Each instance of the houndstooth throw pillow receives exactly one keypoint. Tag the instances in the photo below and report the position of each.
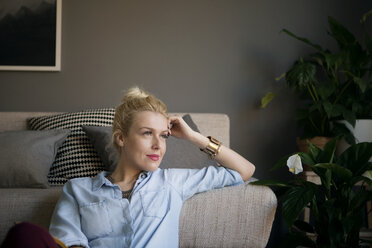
(76, 157)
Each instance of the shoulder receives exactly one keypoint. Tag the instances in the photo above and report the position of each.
(81, 181)
(78, 184)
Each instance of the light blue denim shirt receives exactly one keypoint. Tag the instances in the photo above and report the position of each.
(92, 213)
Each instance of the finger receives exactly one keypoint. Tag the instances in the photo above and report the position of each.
(174, 119)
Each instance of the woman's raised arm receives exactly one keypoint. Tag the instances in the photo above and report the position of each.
(226, 157)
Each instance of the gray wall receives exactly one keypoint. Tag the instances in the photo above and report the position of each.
(196, 55)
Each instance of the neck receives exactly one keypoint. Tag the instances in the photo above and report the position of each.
(125, 176)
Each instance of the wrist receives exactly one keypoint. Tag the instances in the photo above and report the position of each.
(199, 140)
(213, 148)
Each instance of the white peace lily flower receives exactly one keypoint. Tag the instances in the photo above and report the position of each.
(294, 164)
(368, 174)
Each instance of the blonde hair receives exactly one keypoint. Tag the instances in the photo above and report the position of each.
(135, 100)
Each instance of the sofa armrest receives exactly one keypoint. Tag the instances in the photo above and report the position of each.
(23, 204)
(238, 216)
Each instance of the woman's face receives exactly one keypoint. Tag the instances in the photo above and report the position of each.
(145, 145)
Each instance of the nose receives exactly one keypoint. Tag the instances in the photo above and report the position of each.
(156, 143)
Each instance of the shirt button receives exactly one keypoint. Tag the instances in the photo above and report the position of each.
(143, 176)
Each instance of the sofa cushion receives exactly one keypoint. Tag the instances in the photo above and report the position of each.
(77, 156)
(26, 157)
(100, 137)
(179, 154)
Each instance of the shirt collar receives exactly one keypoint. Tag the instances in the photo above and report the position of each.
(100, 179)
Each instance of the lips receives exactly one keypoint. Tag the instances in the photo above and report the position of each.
(154, 157)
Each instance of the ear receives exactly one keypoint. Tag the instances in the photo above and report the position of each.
(119, 139)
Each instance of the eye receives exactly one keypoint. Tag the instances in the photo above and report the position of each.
(147, 133)
(165, 136)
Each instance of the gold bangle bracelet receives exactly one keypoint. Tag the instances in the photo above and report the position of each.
(213, 148)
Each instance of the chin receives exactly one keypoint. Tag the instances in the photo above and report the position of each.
(152, 166)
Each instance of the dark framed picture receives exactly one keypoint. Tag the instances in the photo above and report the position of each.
(30, 35)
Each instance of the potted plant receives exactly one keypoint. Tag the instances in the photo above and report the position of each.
(332, 85)
(336, 204)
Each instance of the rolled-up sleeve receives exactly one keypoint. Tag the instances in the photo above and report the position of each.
(65, 223)
(191, 181)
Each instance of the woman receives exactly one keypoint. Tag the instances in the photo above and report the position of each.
(138, 204)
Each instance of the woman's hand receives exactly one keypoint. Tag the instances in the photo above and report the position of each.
(180, 129)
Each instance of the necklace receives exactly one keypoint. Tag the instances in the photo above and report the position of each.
(125, 194)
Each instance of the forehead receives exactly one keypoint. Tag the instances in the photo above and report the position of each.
(150, 119)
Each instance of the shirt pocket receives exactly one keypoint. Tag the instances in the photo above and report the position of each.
(155, 203)
(95, 221)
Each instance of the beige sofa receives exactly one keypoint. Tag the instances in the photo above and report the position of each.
(240, 216)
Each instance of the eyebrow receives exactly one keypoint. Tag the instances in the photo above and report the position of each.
(154, 129)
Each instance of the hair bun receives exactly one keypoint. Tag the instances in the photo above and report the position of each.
(135, 92)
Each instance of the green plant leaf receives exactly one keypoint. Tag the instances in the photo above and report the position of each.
(271, 182)
(336, 234)
(326, 181)
(296, 199)
(327, 154)
(306, 158)
(315, 107)
(328, 107)
(357, 80)
(349, 222)
(332, 60)
(360, 199)
(341, 172)
(356, 156)
(317, 47)
(361, 83)
(343, 36)
(313, 152)
(280, 77)
(325, 90)
(328, 207)
(267, 99)
(301, 75)
(337, 110)
(333, 110)
(318, 57)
